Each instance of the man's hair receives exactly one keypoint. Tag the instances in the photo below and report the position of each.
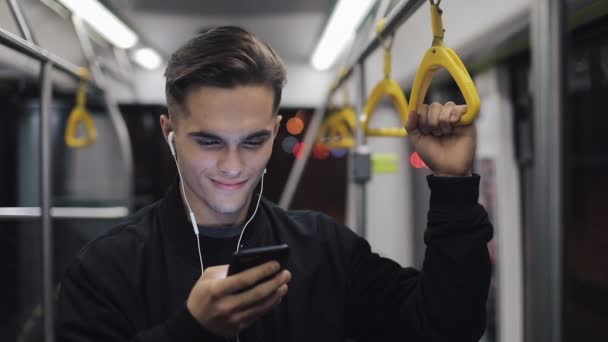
(223, 57)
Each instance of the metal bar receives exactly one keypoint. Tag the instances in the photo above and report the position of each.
(65, 212)
(87, 49)
(394, 20)
(544, 256)
(362, 147)
(32, 50)
(21, 22)
(122, 131)
(45, 198)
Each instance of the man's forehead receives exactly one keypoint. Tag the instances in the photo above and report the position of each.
(259, 95)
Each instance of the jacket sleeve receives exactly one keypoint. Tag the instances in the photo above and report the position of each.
(446, 300)
(98, 303)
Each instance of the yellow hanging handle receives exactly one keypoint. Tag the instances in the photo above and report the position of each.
(440, 56)
(80, 114)
(336, 130)
(386, 87)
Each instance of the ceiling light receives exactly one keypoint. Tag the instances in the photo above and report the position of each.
(339, 31)
(103, 21)
(147, 58)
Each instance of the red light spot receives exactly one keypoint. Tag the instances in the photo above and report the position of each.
(417, 162)
(298, 150)
(295, 126)
(320, 151)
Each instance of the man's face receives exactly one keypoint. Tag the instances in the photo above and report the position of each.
(223, 146)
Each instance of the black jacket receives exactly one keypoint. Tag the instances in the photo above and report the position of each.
(131, 283)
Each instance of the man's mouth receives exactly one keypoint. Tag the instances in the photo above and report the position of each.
(228, 185)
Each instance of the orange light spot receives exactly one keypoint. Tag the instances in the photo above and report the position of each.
(295, 126)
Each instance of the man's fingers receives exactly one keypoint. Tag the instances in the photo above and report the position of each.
(261, 291)
(436, 119)
(457, 113)
(423, 118)
(445, 126)
(412, 122)
(253, 312)
(215, 272)
(249, 278)
(434, 111)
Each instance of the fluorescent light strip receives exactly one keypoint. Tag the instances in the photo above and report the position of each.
(339, 32)
(147, 58)
(103, 21)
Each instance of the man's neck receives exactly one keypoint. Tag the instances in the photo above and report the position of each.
(206, 216)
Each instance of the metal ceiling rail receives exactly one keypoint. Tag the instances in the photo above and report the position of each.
(21, 21)
(394, 20)
(34, 51)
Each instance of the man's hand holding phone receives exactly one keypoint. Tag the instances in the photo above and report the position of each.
(225, 305)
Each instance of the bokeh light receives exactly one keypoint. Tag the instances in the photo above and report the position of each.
(320, 151)
(417, 162)
(339, 152)
(289, 143)
(295, 126)
(302, 115)
(298, 150)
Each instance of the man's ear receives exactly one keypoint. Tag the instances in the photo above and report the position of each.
(166, 125)
(277, 124)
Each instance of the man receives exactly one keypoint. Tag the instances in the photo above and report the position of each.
(142, 280)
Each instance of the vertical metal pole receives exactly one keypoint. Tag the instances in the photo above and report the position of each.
(544, 257)
(45, 199)
(361, 201)
(21, 22)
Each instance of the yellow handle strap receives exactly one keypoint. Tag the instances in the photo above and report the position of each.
(437, 23)
(386, 87)
(440, 56)
(336, 130)
(80, 114)
(387, 45)
(392, 89)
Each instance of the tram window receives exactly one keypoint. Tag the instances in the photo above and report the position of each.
(585, 147)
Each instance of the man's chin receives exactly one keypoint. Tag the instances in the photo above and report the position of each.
(229, 209)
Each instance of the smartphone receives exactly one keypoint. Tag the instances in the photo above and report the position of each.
(247, 258)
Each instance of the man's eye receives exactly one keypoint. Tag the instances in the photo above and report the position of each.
(254, 143)
(208, 143)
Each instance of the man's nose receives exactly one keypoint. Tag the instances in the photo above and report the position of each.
(230, 163)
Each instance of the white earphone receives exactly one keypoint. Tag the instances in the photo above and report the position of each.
(171, 142)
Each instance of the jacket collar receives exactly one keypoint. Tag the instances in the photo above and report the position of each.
(177, 230)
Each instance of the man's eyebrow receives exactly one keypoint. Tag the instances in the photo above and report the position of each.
(206, 135)
(259, 134)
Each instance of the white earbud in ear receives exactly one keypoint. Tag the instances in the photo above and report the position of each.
(171, 142)
(264, 171)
